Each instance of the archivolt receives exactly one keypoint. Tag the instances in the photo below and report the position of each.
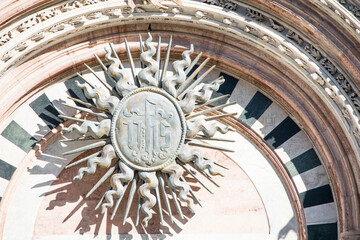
(31, 38)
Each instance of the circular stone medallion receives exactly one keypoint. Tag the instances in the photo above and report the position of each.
(148, 129)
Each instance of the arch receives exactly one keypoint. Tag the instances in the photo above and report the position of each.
(310, 67)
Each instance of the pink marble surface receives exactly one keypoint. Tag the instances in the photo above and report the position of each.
(234, 208)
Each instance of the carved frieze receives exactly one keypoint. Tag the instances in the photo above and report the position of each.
(116, 12)
(7, 56)
(352, 7)
(275, 25)
(295, 37)
(222, 3)
(314, 53)
(344, 83)
(255, 15)
(5, 38)
(269, 40)
(350, 15)
(329, 66)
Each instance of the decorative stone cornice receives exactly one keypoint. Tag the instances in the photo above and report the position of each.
(49, 25)
(352, 6)
(347, 12)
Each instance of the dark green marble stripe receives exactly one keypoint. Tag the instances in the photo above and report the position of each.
(302, 163)
(326, 231)
(192, 71)
(76, 92)
(46, 111)
(255, 108)
(282, 132)
(6, 170)
(316, 196)
(226, 88)
(18, 136)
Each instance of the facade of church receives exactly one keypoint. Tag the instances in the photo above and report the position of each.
(186, 119)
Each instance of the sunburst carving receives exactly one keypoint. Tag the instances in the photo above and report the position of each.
(145, 125)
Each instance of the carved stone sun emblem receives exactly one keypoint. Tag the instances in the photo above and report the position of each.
(145, 125)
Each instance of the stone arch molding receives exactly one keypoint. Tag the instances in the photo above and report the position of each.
(20, 42)
(331, 80)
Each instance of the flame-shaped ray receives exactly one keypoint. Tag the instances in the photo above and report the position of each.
(199, 124)
(175, 173)
(194, 155)
(189, 101)
(103, 161)
(189, 97)
(147, 75)
(123, 83)
(170, 83)
(151, 182)
(101, 99)
(126, 175)
(95, 130)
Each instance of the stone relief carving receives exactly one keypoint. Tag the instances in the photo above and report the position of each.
(55, 11)
(285, 50)
(275, 25)
(203, 15)
(157, 3)
(57, 28)
(5, 38)
(313, 52)
(356, 133)
(229, 5)
(318, 79)
(38, 36)
(356, 100)
(113, 12)
(222, 3)
(255, 15)
(344, 83)
(352, 7)
(329, 66)
(345, 113)
(78, 20)
(7, 56)
(227, 21)
(295, 37)
(251, 30)
(269, 40)
(302, 63)
(176, 10)
(147, 125)
(94, 15)
(21, 47)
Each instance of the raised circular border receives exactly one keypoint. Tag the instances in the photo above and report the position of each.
(114, 142)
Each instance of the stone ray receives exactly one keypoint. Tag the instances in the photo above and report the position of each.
(103, 161)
